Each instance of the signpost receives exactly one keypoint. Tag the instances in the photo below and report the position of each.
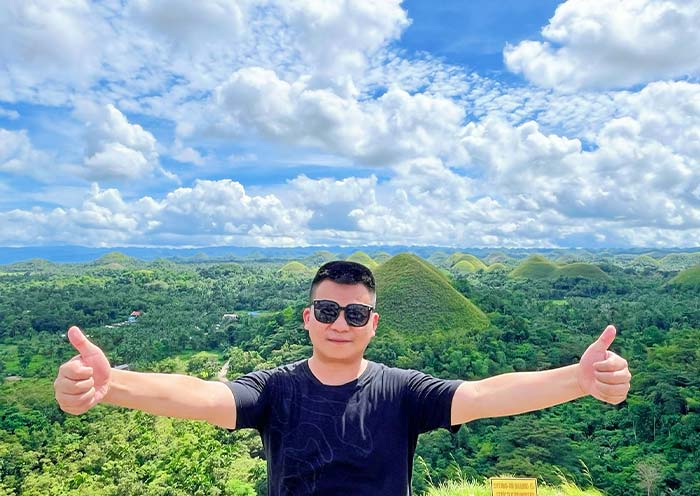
(513, 487)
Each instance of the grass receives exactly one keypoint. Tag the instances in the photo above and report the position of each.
(362, 258)
(687, 278)
(295, 268)
(538, 267)
(413, 296)
(475, 488)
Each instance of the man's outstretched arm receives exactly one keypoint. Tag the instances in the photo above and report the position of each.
(88, 379)
(600, 373)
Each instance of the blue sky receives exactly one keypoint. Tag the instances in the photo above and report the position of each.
(272, 123)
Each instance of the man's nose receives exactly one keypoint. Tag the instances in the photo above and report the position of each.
(340, 323)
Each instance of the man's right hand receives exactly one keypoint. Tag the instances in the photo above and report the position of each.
(83, 381)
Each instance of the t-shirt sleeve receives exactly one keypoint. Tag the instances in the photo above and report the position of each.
(249, 394)
(429, 401)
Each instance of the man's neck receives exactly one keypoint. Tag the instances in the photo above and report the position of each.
(334, 373)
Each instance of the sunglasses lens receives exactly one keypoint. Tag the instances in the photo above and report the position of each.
(326, 311)
(357, 315)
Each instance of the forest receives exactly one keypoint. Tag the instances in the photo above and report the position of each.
(452, 315)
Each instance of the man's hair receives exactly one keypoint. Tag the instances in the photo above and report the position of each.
(343, 272)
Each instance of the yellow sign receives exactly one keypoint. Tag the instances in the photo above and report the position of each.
(513, 487)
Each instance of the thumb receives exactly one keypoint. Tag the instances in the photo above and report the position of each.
(81, 343)
(606, 338)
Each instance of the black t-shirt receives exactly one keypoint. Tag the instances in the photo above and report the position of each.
(357, 438)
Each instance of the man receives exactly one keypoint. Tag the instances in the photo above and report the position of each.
(337, 423)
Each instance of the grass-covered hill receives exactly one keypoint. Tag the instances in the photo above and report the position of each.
(535, 267)
(645, 262)
(381, 256)
(463, 267)
(362, 258)
(319, 258)
(116, 260)
(584, 270)
(689, 278)
(414, 296)
(33, 265)
(295, 267)
(498, 266)
(538, 267)
(496, 257)
(679, 261)
(468, 259)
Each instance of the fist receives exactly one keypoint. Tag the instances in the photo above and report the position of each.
(602, 373)
(83, 381)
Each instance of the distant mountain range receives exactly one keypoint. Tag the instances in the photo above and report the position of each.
(76, 254)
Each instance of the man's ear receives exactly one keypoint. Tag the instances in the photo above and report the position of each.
(306, 315)
(375, 322)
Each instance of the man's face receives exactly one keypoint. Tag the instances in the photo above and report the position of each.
(339, 341)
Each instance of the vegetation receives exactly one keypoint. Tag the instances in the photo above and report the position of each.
(295, 267)
(466, 260)
(538, 267)
(465, 326)
(689, 278)
(362, 258)
(414, 297)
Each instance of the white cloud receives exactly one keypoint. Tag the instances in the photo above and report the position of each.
(211, 212)
(9, 114)
(612, 43)
(115, 149)
(394, 127)
(47, 47)
(336, 39)
(19, 157)
(187, 24)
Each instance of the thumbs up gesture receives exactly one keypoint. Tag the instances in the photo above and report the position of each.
(602, 373)
(83, 381)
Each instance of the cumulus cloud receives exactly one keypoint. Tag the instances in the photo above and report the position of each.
(19, 157)
(115, 148)
(210, 212)
(643, 170)
(335, 40)
(394, 127)
(188, 24)
(611, 43)
(47, 47)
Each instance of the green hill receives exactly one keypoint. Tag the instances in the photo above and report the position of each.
(689, 278)
(534, 267)
(295, 267)
(116, 257)
(362, 258)
(587, 271)
(319, 258)
(32, 265)
(679, 261)
(538, 267)
(497, 256)
(413, 296)
(381, 256)
(438, 259)
(645, 261)
(463, 267)
(498, 266)
(455, 258)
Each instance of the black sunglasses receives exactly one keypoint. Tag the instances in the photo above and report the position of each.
(356, 314)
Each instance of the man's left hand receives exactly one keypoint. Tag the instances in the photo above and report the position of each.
(602, 373)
